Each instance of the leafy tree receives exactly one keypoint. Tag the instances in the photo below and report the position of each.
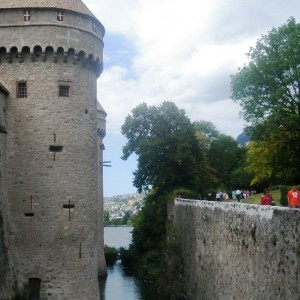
(223, 156)
(106, 218)
(168, 154)
(241, 176)
(208, 131)
(169, 157)
(268, 89)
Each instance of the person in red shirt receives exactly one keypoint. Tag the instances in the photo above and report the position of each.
(294, 197)
(266, 198)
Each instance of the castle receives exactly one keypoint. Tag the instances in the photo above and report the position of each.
(51, 142)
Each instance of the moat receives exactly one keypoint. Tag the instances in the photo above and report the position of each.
(117, 285)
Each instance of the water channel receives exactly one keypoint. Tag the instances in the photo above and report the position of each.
(117, 285)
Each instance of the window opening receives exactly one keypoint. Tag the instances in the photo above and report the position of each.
(80, 250)
(27, 15)
(29, 214)
(64, 91)
(55, 148)
(60, 15)
(22, 90)
(34, 288)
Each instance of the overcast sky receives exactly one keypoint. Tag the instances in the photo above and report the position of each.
(176, 50)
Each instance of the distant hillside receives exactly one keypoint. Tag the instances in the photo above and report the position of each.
(124, 198)
(243, 139)
(120, 208)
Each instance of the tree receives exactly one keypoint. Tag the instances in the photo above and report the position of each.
(207, 130)
(268, 89)
(106, 218)
(223, 156)
(169, 158)
(168, 154)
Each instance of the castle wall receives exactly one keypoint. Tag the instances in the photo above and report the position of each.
(44, 30)
(52, 170)
(101, 132)
(56, 242)
(6, 275)
(238, 251)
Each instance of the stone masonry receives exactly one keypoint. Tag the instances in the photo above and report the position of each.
(238, 251)
(51, 143)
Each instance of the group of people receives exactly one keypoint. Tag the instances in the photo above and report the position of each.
(293, 197)
(239, 195)
(222, 196)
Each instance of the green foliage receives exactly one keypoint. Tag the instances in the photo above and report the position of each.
(129, 259)
(240, 176)
(208, 131)
(111, 255)
(172, 264)
(223, 156)
(22, 294)
(283, 199)
(268, 90)
(165, 143)
(184, 193)
(145, 254)
(106, 219)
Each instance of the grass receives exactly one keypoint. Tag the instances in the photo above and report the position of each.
(255, 199)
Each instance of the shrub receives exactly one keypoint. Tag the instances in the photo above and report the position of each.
(111, 255)
(184, 193)
(283, 199)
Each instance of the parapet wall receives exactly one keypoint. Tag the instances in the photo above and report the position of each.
(238, 251)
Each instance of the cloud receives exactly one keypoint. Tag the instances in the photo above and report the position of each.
(178, 50)
(182, 51)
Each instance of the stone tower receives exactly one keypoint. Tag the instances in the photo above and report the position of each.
(51, 135)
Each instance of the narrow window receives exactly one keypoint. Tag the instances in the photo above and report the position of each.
(54, 148)
(94, 26)
(64, 91)
(22, 89)
(34, 288)
(60, 15)
(27, 15)
(29, 214)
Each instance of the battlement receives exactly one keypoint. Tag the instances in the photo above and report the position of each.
(49, 54)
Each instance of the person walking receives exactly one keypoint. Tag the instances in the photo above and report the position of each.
(238, 194)
(293, 196)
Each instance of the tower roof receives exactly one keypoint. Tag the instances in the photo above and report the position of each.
(100, 108)
(72, 5)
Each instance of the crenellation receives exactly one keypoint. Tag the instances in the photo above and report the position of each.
(48, 54)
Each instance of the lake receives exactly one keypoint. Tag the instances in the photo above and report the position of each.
(117, 285)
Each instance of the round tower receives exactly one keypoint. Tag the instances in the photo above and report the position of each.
(50, 59)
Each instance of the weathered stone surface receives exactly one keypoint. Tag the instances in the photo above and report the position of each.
(239, 251)
(51, 181)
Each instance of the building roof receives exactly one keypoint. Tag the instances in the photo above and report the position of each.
(100, 108)
(73, 5)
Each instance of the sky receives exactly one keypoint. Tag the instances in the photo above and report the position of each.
(182, 51)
